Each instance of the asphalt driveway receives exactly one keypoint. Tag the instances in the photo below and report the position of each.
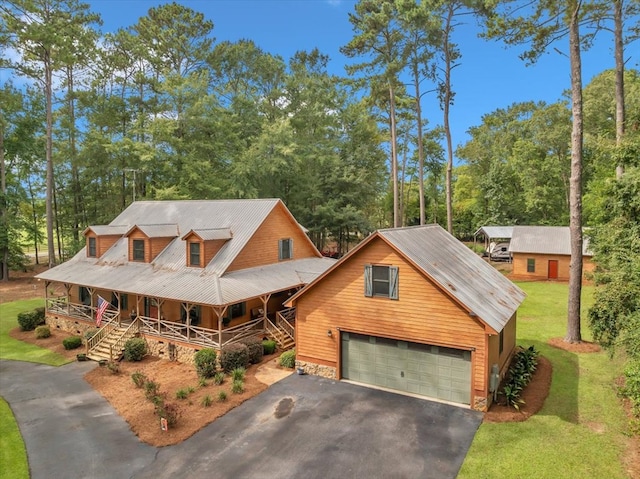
(302, 426)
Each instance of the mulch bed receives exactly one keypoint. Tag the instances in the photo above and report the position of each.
(581, 347)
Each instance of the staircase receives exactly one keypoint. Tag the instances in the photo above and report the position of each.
(112, 343)
(282, 339)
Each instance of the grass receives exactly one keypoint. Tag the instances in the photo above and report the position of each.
(581, 430)
(13, 455)
(13, 349)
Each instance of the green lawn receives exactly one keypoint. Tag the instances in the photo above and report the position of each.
(13, 349)
(580, 432)
(13, 455)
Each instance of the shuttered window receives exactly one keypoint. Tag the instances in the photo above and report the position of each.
(381, 281)
(91, 252)
(285, 249)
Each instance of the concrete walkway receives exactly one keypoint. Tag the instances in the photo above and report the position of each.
(302, 426)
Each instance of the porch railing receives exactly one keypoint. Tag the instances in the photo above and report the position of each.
(244, 330)
(75, 310)
(285, 321)
(102, 333)
(179, 331)
(126, 335)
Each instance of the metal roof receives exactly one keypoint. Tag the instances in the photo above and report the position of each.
(211, 233)
(108, 230)
(544, 240)
(454, 267)
(498, 232)
(157, 231)
(168, 276)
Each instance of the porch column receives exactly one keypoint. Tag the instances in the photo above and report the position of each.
(220, 312)
(265, 300)
(67, 288)
(119, 303)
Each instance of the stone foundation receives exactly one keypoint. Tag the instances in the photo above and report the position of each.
(169, 350)
(480, 403)
(70, 325)
(328, 372)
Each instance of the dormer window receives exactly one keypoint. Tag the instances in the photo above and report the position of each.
(138, 250)
(91, 247)
(285, 249)
(194, 254)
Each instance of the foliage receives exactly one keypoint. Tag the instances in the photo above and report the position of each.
(206, 401)
(288, 359)
(202, 382)
(72, 342)
(182, 393)
(218, 378)
(205, 362)
(523, 365)
(135, 349)
(139, 379)
(234, 356)
(151, 389)
(169, 411)
(43, 332)
(113, 367)
(28, 320)
(237, 387)
(222, 396)
(269, 346)
(238, 374)
(90, 333)
(13, 452)
(256, 350)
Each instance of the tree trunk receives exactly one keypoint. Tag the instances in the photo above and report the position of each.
(49, 159)
(575, 183)
(447, 129)
(4, 214)
(394, 156)
(619, 56)
(420, 146)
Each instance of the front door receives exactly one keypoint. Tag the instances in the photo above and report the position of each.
(553, 269)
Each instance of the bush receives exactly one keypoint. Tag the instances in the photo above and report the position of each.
(72, 342)
(523, 365)
(269, 346)
(114, 367)
(170, 411)
(288, 359)
(205, 361)
(135, 349)
(206, 401)
(218, 379)
(237, 387)
(139, 378)
(238, 374)
(29, 320)
(151, 390)
(256, 349)
(182, 394)
(202, 382)
(222, 396)
(43, 332)
(234, 356)
(89, 333)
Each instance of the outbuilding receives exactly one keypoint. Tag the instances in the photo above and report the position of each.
(410, 310)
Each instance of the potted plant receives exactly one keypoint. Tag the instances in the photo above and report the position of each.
(81, 357)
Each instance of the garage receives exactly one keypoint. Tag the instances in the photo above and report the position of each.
(427, 370)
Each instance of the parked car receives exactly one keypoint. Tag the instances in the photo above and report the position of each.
(500, 252)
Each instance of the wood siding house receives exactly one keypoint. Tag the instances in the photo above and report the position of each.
(185, 275)
(410, 309)
(544, 253)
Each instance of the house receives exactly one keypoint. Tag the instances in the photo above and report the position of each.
(185, 275)
(544, 252)
(410, 309)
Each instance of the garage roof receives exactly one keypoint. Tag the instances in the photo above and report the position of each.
(497, 232)
(544, 240)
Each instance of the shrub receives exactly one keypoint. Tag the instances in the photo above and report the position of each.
(222, 396)
(205, 361)
(523, 365)
(237, 387)
(29, 320)
(135, 349)
(234, 356)
(89, 333)
(269, 346)
(72, 342)
(182, 394)
(43, 332)
(151, 389)
(288, 359)
(202, 382)
(206, 401)
(114, 367)
(218, 378)
(139, 379)
(170, 411)
(238, 374)
(191, 389)
(256, 349)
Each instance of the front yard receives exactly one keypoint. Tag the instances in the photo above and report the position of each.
(581, 432)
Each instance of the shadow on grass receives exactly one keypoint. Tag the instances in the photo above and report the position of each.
(563, 396)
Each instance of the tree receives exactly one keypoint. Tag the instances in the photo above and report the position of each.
(547, 22)
(46, 33)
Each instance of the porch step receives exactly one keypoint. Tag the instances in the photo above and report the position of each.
(102, 350)
(283, 340)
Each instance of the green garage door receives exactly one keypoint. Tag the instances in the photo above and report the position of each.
(433, 371)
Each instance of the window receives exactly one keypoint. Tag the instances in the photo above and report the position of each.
(234, 311)
(381, 281)
(91, 252)
(501, 342)
(138, 250)
(85, 296)
(195, 314)
(285, 249)
(124, 301)
(194, 254)
(531, 265)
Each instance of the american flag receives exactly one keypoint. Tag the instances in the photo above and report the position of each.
(103, 304)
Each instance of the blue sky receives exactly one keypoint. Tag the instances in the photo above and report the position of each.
(489, 76)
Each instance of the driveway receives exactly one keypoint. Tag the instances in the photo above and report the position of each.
(302, 426)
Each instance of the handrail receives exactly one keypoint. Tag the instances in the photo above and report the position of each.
(285, 326)
(102, 333)
(242, 331)
(124, 337)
